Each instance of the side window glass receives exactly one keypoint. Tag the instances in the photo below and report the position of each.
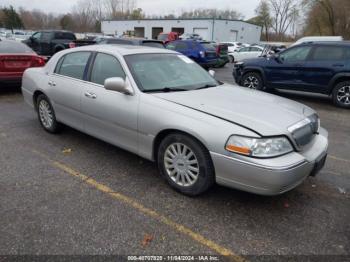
(106, 66)
(295, 54)
(45, 37)
(73, 64)
(328, 53)
(37, 36)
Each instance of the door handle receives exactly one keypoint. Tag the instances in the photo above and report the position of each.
(90, 95)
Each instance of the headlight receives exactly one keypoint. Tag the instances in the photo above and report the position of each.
(259, 147)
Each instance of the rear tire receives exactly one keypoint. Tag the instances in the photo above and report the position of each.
(46, 115)
(185, 164)
(341, 94)
(252, 80)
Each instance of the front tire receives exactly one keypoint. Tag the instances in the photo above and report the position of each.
(185, 164)
(231, 59)
(252, 80)
(46, 115)
(341, 94)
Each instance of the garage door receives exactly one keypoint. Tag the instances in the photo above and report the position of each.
(233, 35)
(203, 32)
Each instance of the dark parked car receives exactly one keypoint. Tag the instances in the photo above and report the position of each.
(322, 67)
(47, 43)
(222, 51)
(133, 41)
(15, 58)
(202, 52)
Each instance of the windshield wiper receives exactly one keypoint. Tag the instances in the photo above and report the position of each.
(165, 89)
(206, 86)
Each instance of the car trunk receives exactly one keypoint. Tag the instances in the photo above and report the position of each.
(14, 64)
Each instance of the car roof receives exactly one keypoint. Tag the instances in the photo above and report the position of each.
(123, 49)
(338, 43)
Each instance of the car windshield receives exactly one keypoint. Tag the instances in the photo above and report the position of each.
(168, 72)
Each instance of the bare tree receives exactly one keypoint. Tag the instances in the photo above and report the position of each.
(283, 14)
(85, 16)
(328, 17)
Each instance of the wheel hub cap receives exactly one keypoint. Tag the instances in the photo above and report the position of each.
(181, 164)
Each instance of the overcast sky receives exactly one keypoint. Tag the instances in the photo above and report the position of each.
(246, 7)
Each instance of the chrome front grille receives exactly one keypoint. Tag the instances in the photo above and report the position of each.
(304, 131)
(303, 135)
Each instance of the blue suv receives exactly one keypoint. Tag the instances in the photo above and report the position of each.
(319, 67)
(202, 52)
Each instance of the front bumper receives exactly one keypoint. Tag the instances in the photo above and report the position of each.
(237, 74)
(271, 176)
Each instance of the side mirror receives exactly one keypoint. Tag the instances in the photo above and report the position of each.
(212, 73)
(277, 58)
(117, 84)
(31, 38)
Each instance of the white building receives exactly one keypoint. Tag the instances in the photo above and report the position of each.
(209, 29)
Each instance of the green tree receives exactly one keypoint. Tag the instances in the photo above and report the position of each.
(66, 22)
(263, 17)
(137, 14)
(11, 18)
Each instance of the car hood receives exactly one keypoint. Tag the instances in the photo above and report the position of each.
(266, 114)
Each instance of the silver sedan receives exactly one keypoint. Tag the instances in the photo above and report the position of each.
(163, 107)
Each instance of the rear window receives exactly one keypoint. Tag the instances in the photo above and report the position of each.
(153, 44)
(208, 46)
(118, 41)
(65, 36)
(13, 47)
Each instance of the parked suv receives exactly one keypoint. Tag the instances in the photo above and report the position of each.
(322, 67)
(202, 52)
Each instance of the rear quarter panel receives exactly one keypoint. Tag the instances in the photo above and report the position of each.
(34, 79)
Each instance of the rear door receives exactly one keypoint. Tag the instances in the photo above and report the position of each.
(66, 87)
(284, 71)
(324, 62)
(109, 115)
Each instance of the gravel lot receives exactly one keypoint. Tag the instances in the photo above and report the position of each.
(73, 194)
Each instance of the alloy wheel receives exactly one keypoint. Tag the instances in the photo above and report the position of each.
(251, 82)
(181, 164)
(46, 114)
(343, 95)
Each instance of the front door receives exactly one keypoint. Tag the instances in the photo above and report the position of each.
(109, 115)
(34, 42)
(284, 71)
